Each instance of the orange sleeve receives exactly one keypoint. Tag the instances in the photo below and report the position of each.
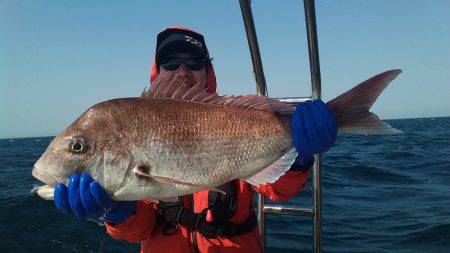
(138, 227)
(286, 187)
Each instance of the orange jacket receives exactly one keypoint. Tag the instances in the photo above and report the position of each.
(143, 227)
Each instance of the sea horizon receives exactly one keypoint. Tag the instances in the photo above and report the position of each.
(45, 136)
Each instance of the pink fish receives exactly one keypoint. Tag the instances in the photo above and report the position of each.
(170, 142)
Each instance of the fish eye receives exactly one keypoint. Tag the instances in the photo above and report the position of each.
(77, 145)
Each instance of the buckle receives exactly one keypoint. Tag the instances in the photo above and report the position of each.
(171, 212)
(209, 231)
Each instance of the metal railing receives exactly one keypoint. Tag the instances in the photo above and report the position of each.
(316, 210)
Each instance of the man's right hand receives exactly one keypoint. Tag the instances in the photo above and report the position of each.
(86, 198)
(313, 128)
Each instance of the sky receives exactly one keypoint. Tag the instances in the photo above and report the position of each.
(58, 58)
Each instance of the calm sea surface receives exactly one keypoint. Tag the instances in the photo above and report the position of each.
(380, 194)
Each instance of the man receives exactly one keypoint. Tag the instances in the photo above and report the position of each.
(206, 221)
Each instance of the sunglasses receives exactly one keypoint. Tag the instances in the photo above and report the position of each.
(194, 64)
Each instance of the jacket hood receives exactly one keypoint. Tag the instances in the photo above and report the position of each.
(210, 75)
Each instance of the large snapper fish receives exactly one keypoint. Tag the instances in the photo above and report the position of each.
(169, 143)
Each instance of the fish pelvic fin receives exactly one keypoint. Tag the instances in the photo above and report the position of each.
(273, 172)
(173, 87)
(351, 109)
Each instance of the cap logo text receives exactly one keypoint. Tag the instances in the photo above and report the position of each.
(193, 41)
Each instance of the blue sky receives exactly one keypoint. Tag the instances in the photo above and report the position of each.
(58, 58)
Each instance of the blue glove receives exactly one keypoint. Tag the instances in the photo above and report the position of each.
(85, 198)
(313, 128)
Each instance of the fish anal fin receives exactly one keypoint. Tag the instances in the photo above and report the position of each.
(274, 171)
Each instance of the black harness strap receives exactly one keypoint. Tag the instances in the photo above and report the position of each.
(225, 229)
(223, 208)
(175, 213)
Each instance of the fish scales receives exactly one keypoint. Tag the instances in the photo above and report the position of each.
(210, 143)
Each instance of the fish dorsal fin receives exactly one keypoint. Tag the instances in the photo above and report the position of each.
(271, 173)
(174, 87)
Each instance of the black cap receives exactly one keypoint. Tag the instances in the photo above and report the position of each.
(179, 41)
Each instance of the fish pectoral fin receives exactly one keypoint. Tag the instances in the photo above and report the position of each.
(271, 173)
(174, 181)
(144, 172)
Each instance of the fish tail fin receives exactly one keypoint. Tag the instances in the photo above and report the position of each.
(351, 109)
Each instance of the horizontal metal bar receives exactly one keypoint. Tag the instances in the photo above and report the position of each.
(288, 210)
(294, 99)
(299, 99)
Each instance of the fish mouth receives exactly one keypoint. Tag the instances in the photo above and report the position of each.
(46, 191)
(44, 177)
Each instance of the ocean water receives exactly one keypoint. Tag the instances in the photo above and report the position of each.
(380, 194)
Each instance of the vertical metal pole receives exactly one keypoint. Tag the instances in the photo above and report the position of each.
(262, 221)
(311, 30)
(247, 15)
(258, 71)
(310, 16)
(316, 94)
